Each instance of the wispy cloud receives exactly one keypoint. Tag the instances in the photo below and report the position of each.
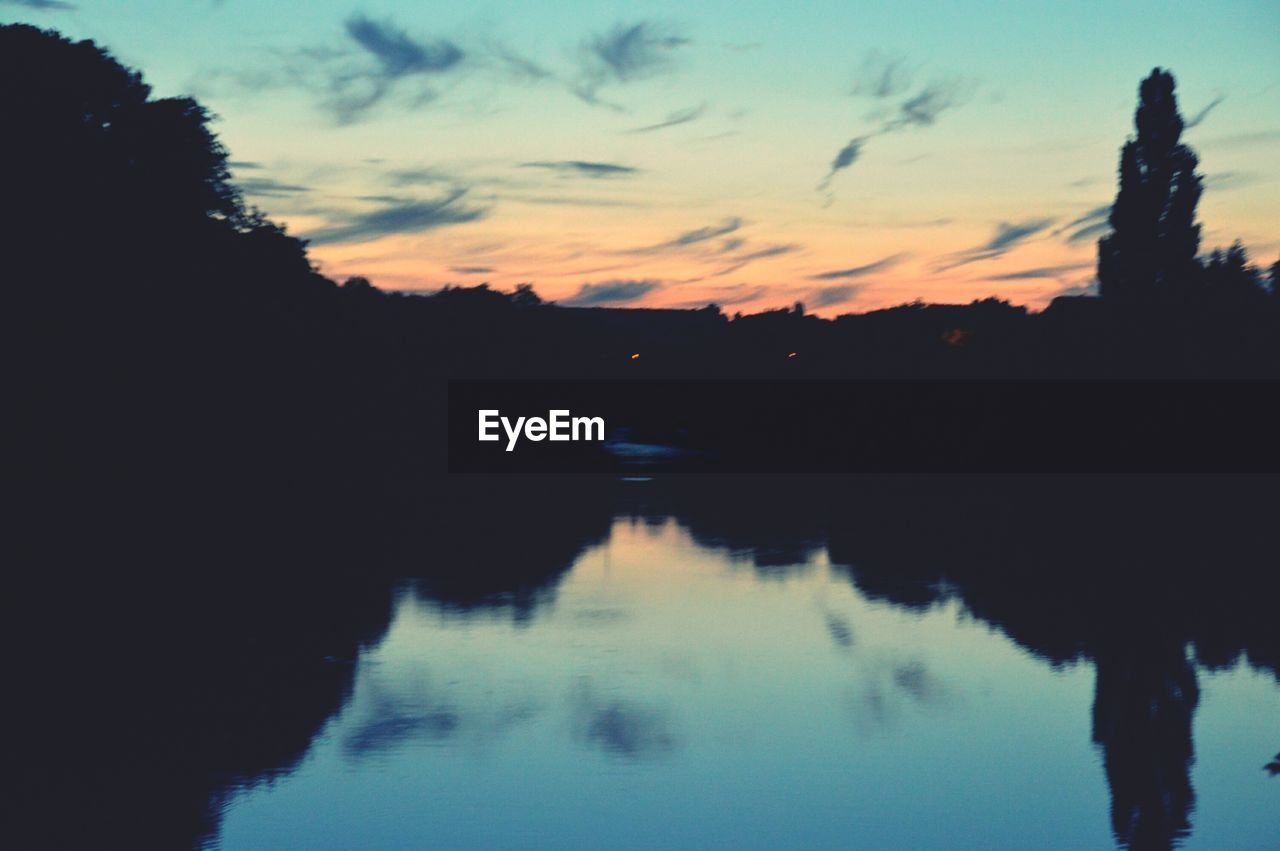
(1200, 116)
(847, 156)
(472, 270)
(396, 55)
(44, 5)
(882, 76)
(268, 187)
(859, 271)
(833, 295)
(584, 168)
(403, 217)
(419, 177)
(739, 260)
(693, 237)
(1042, 272)
(611, 292)
(350, 77)
(673, 119)
(1008, 236)
(624, 54)
(396, 52)
(923, 108)
(1223, 180)
(1087, 225)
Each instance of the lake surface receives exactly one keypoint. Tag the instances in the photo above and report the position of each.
(677, 688)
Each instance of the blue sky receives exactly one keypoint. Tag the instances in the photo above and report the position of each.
(845, 155)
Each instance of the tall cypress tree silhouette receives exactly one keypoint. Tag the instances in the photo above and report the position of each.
(1151, 251)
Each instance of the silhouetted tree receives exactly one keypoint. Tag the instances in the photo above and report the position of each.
(1228, 275)
(1151, 250)
(524, 297)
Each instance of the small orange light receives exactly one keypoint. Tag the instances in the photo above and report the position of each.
(791, 355)
(636, 356)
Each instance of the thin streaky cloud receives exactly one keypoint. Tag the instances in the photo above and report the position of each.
(859, 271)
(674, 119)
(42, 5)
(611, 292)
(833, 295)
(1008, 235)
(1200, 116)
(584, 168)
(694, 237)
(1040, 272)
(405, 217)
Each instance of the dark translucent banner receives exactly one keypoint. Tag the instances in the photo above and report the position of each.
(861, 426)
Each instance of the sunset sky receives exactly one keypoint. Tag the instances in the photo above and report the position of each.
(847, 155)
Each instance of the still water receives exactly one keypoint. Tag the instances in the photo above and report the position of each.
(670, 692)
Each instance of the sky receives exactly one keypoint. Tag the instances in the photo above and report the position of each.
(750, 154)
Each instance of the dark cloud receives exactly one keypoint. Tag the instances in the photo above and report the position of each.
(403, 217)
(624, 54)
(266, 186)
(847, 156)
(396, 52)
(828, 296)
(1008, 235)
(584, 168)
(244, 165)
(352, 81)
(882, 76)
(471, 270)
(682, 116)
(1204, 113)
(45, 5)
(611, 292)
(859, 271)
